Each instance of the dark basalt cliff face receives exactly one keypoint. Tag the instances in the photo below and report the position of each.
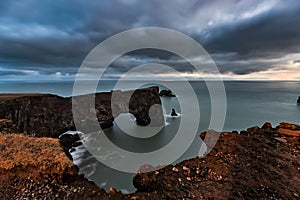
(45, 115)
(38, 115)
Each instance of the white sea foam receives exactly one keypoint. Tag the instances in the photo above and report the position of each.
(170, 116)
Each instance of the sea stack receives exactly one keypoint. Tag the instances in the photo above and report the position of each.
(298, 101)
(173, 113)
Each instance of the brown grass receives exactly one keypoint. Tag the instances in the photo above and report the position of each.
(28, 155)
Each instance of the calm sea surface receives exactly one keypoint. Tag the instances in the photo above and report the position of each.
(248, 103)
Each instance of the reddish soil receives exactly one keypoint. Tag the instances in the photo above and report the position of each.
(252, 165)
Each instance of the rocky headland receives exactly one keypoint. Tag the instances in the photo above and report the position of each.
(257, 163)
(46, 115)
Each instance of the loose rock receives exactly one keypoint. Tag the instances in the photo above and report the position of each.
(280, 139)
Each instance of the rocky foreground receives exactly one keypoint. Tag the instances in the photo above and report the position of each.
(260, 163)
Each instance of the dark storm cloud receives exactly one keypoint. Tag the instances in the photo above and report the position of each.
(63, 32)
(258, 41)
(55, 36)
(254, 44)
(275, 32)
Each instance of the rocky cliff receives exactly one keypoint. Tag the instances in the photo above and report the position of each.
(50, 115)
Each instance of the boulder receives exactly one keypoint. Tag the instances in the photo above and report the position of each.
(202, 135)
(253, 129)
(288, 132)
(267, 125)
(166, 93)
(287, 125)
(280, 140)
(243, 132)
(69, 140)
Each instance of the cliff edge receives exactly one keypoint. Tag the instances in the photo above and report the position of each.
(46, 115)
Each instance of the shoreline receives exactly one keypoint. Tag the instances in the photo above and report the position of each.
(257, 163)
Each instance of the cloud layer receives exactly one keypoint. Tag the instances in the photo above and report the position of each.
(247, 39)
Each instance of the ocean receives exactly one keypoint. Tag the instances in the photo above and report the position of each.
(248, 103)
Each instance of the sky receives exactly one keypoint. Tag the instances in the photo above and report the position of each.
(247, 39)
